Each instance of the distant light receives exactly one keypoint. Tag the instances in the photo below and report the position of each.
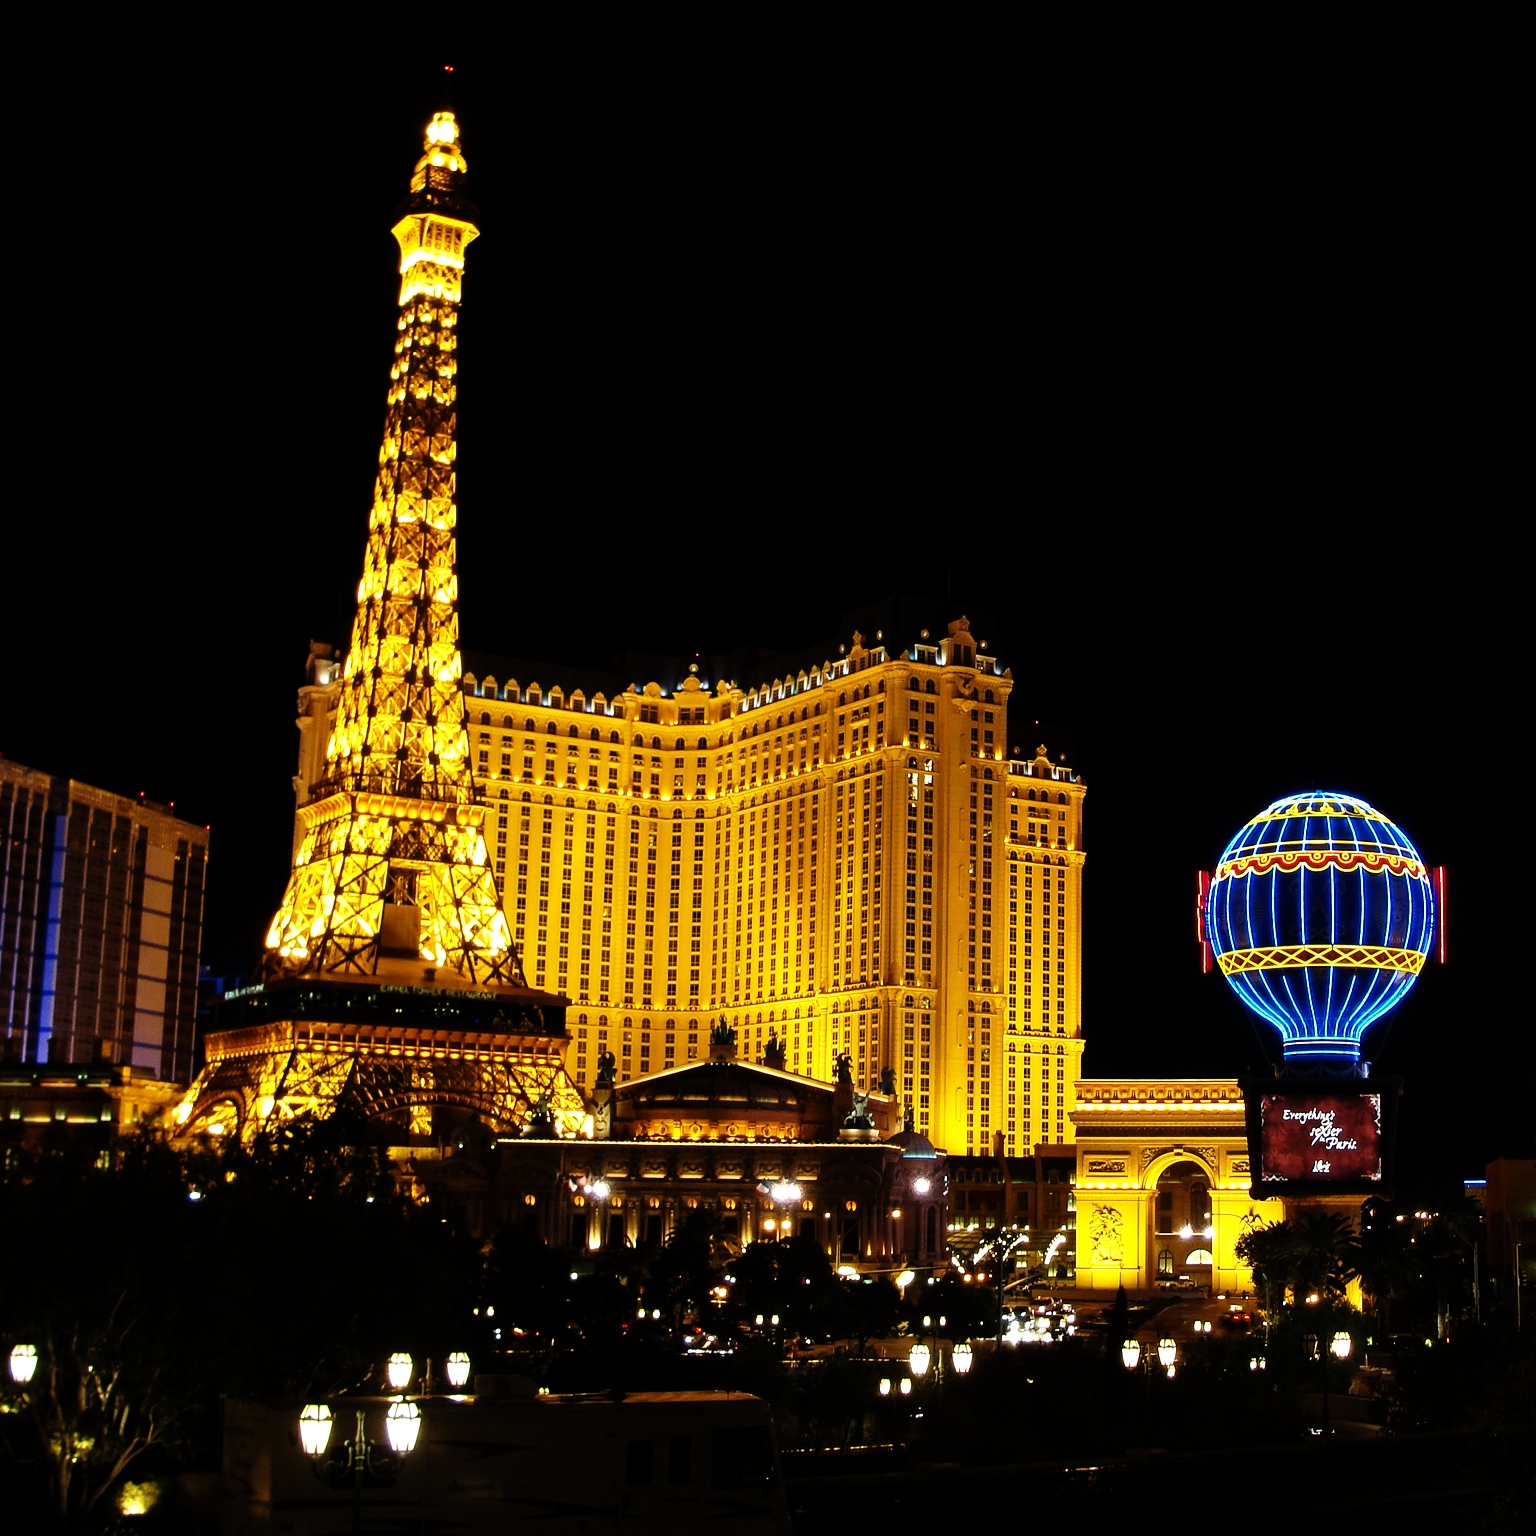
(906, 1387)
(922, 1186)
(885, 1386)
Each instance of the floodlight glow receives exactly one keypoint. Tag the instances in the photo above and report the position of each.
(1321, 914)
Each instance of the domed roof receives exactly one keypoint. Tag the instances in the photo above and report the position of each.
(913, 1144)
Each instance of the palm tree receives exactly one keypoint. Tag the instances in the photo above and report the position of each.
(1327, 1255)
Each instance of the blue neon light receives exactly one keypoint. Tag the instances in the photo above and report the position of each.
(1320, 915)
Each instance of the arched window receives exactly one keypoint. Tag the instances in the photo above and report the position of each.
(554, 730)
(1061, 799)
(575, 730)
(485, 718)
(527, 725)
(613, 738)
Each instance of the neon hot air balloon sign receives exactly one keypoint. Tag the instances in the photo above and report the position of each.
(1320, 915)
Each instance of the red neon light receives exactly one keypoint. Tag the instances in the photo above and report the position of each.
(1440, 903)
(1203, 891)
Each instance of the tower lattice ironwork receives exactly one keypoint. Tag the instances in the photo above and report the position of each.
(392, 856)
(390, 985)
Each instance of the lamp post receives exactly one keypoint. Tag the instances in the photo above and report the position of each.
(1340, 1347)
(359, 1461)
(1167, 1354)
(1130, 1354)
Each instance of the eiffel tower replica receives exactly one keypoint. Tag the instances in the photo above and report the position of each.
(390, 989)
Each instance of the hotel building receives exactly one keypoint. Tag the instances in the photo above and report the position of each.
(843, 857)
(101, 911)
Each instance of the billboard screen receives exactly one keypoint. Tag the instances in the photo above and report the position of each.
(1320, 1138)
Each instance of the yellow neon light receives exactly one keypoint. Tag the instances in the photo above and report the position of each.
(1295, 956)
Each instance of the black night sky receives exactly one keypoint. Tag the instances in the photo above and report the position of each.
(1196, 404)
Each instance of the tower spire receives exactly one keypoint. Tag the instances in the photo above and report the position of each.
(391, 863)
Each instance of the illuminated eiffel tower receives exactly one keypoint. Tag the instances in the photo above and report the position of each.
(390, 984)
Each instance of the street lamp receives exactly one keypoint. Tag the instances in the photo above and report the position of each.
(399, 1370)
(1130, 1354)
(1341, 1345)
(402, 1427)
(1167, 1353)
(456, 1369)
(23, 1363)
(315, 1428)
(359, 1461)
(960, 1357)
(918, 1358)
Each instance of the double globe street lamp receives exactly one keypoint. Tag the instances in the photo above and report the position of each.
(361, 1461)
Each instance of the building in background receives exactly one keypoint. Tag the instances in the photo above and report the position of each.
(1163, 1185)
(101, 911)
(842, 854)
